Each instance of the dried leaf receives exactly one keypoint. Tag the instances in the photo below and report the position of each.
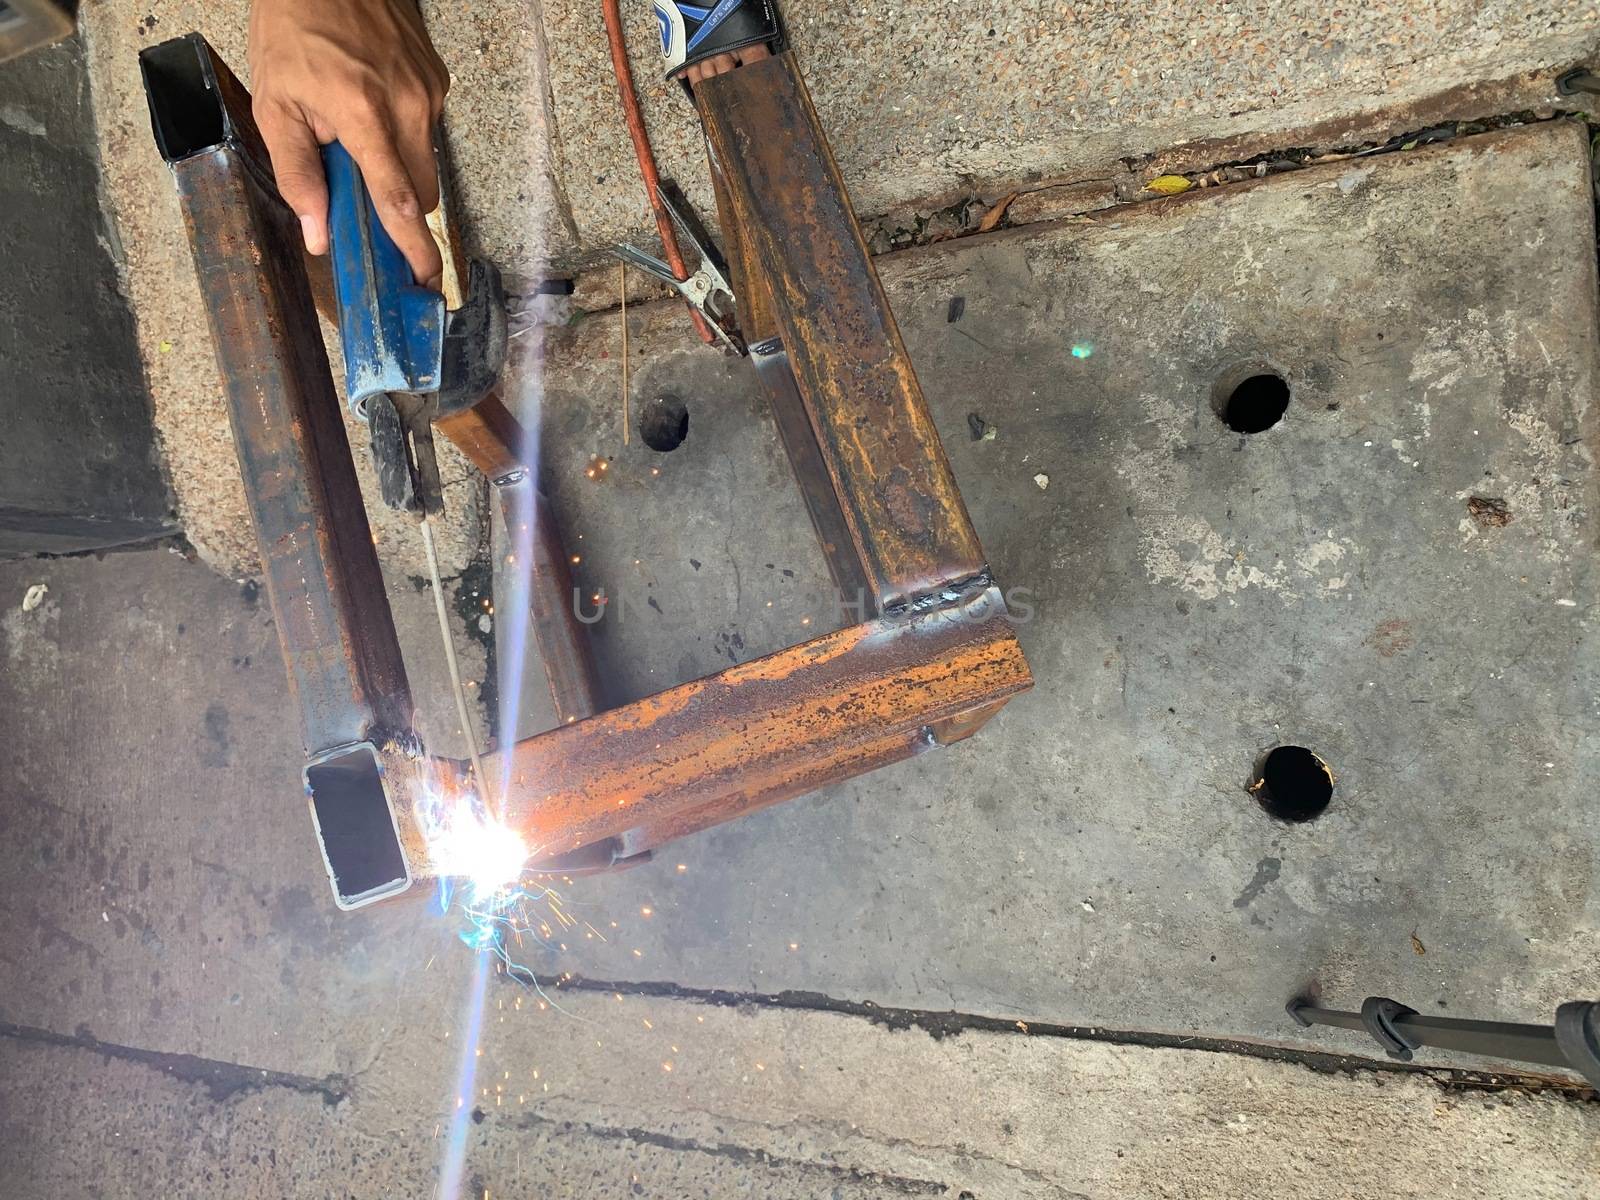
(1416, 944)
(995, 213)
(1168, 185)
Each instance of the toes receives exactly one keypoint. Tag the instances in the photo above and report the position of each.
(721, 64)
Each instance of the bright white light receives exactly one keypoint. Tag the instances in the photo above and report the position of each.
(465, 843)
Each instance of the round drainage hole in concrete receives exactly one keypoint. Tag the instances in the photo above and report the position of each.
(664, 423)
(1255, 404)
(1292, 784)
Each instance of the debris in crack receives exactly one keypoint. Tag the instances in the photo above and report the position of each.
(222, 1080)
(1168, 185)
(1490, 512)
(941, 1025)
(996, 212)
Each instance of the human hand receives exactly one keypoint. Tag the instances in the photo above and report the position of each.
(363, 73)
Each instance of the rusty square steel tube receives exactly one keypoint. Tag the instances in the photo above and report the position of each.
(322, 573)
(324, 585)
(937, 658)
(797, 232)
(764, 731)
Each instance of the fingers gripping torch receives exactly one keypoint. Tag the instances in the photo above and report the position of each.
(412, 355)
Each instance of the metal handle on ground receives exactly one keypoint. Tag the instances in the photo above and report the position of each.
(1573, 1042)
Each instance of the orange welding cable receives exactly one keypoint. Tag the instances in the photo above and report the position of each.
(642, 151)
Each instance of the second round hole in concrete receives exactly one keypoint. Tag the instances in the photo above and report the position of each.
(1255, 403)
(664, 423)
(1292, 783)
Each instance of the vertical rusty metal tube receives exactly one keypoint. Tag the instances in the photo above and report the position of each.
(328, 602)
(810, 467)
(546, 591)
(758, 322)
(496, 444)
(895, 489)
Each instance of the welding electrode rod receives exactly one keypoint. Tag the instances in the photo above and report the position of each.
(622, 286)
(450, 659)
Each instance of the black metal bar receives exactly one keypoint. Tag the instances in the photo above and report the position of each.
(1578, 80)
(1492, 1039)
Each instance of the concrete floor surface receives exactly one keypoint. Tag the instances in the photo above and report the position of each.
(179, 985)
(185, 1013)
(775, 1104)
(1196, 597)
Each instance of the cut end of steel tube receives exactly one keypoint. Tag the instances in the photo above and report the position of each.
(181, 83)
(352, 798)
(388, 817)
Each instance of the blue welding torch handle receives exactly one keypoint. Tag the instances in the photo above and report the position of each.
(391, 327)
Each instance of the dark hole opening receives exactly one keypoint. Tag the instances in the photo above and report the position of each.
(184, 106)
(1256, 404)
(1292, 784)
(356, 826)
(664, 423)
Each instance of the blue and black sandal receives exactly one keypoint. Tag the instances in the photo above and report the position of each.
(691, 33)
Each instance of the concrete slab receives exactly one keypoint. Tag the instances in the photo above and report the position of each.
(1198, 596)
(777, 1104)
(995, 878)
(163, 888)
(1092, 857)
(923, 110)
(926, 106)
(78, 464)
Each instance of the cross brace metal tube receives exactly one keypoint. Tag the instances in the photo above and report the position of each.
(764, 731)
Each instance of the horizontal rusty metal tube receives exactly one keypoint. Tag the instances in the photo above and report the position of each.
(761, 732)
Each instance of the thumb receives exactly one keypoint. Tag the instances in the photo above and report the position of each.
(297, 165)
